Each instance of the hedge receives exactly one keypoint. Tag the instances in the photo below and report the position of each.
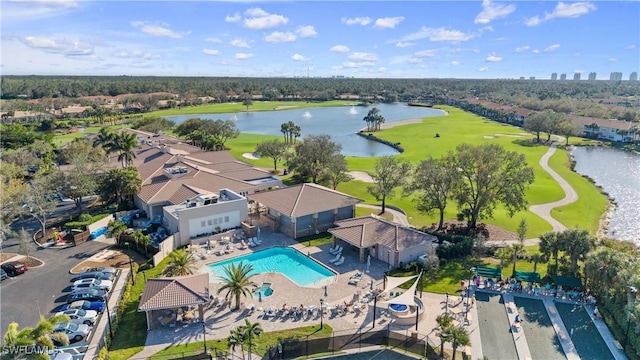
(82, 225)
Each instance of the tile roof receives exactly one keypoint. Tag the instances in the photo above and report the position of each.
(614, 124)
(371, 230)
(304, 199)
(167, 293)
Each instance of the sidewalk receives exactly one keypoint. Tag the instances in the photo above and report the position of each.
(565, 340)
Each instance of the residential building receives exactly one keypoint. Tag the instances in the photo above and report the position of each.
(532, 77)
(633, 76)
(205, 214)
(592, 76)
(604, 129)
(576, 76)
(563, 77)
(303, 209)
(615, 76)
(554, 76)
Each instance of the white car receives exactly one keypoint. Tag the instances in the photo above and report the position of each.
(92, 283)
(75, 332)
(80, 316)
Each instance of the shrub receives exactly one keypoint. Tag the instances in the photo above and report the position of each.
(82, 225)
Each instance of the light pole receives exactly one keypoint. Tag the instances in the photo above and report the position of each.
(446, 304)
(321, 309)
(309, 235)
(204, 336)
(133, 277)
(473, 270)
(375, 308)
(389, 258)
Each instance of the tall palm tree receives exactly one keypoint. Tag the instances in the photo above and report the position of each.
(517, 252)
(237, 282)
(104, 139)
(115, 228)
(550, 245)
(237, 338)
(537, 258)
(125, 143)
(601, 269)
(181, 263)
(459, 337)
(38, 336)
(250, 330)
(578, 243)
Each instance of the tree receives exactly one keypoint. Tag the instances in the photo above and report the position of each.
(516, 251)
(433, 180)
(181, 263)
(489, 175)
(336, 170)
(82, 146)
(237, 338)
(250, 330)
(237, 282)
(24, 243)
(247, 101)
(290, 131)
(601, 270)
(550, 245)
(537, 259)
(577, 243)
(104, 139)
(390, 172)
(274, 149)
(38, 336)
(537, 123)
(311, 156)
(188, 126)
(459, 337)
(39, 200)
(116, 228)
(567, 129)
(373, 119)
(522, 230)
(80, 180)
(125, 143)
(219, 131)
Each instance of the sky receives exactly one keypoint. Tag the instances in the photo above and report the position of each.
(362, 39)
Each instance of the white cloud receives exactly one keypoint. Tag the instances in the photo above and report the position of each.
(613, 59)
(364, 21)
(483, 69)
(630, 47)
(135, 54)
(438, 34)
(425, 53)
(491, 11)
(388, 22)
(278, 36)
(29, 9)
(239, 43)
(69, 48)
(243, 56)
(521, 49)
(339, 48)
(363, 56)
(564, 10)
(535, 51)
(404, 44)
(455, 63)
(307, 31)
(552, 48)
(233, 18)
(258, 19)
(156, 30)
(493, 57)
(213, 40)
(298, 57)
(210, 51)
(357, 64)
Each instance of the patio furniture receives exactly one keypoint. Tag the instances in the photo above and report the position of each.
(354, 280)
(338, 250)
(339, 262)
(334, 248)
(338, 256)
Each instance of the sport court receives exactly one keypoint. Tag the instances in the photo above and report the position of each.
(495, 329)
(586, 337)
(538, 329)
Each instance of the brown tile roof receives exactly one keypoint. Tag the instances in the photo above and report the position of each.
(183, 193)
(371, 230)
(167, 293)
(613, 124)
(304, 199)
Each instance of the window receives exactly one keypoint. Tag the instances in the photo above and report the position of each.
(226, 219)
(203, 223)
(210, 222)
(215, 221)
(220, 220)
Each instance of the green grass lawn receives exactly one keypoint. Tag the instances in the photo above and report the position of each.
(238, 107)
(62, 139)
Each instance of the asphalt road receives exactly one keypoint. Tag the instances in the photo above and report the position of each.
(42, 290)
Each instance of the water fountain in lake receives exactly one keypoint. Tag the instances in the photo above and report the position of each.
(306, 115)
(353, 110)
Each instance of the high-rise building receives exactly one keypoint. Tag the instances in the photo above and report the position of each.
(633, 76)
(576, 76)
(532, 77)
(563, 76)
(592, 76)
(554, 76)
(615, 76)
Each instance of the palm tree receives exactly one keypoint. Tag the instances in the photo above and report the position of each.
(38, 336)
(116, 228)
(236, 338)
(125, 143)
(518, 252)
(550, 245)
(237, 282)
(536, 259)
(578, 243)
(460, 337)
(181, 263)
(601, 269)
(104, 139)
(444, 321)
(250, 329)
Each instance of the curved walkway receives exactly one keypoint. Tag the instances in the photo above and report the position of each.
(398, 217)
(544, 210)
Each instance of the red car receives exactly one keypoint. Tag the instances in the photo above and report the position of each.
(13, 268)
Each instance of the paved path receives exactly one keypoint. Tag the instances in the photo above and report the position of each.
(544, 210)
(519, 338)
(398, 217)
(561, 330)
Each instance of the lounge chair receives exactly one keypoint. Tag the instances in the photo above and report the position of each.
(339, 262)
(338, 256)
(338, 250)
(334, 248)
(243, 245)
(355, 280)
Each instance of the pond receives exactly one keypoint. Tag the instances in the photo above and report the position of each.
(618, 173)
(341, 123)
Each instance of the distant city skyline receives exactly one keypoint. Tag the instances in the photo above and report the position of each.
(377, 39)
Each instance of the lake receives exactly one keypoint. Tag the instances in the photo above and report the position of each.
(341, 123)
(618, 173)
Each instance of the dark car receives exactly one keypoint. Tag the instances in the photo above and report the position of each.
(85, 305)
(13, 268)
(92, 291)
(97, 296)
(96, 275)
(3, 274)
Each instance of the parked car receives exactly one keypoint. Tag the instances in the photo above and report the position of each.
(60, 356)
(85, 305)
(3, 274)
(75, 332)
(92, 291)
(105, 269)
(80, 316)
(96, 275)
(92, 283)
(97, 295)
(13, 268)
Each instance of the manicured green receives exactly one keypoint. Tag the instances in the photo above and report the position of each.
(260, 343)
(238, 107)
(63, 139)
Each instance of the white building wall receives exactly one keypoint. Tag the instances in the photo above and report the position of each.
(411, 254)
(200, 220)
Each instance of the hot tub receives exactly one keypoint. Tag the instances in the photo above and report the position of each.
(399, 309)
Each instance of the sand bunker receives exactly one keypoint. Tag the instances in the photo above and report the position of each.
(509, 135)
(361, 176)
(251, 156)
(488, 137)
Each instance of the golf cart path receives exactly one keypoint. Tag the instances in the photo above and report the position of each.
(570, 195)
(398, 217)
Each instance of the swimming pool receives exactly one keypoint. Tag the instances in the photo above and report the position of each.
(263, 291)
(287, 261)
